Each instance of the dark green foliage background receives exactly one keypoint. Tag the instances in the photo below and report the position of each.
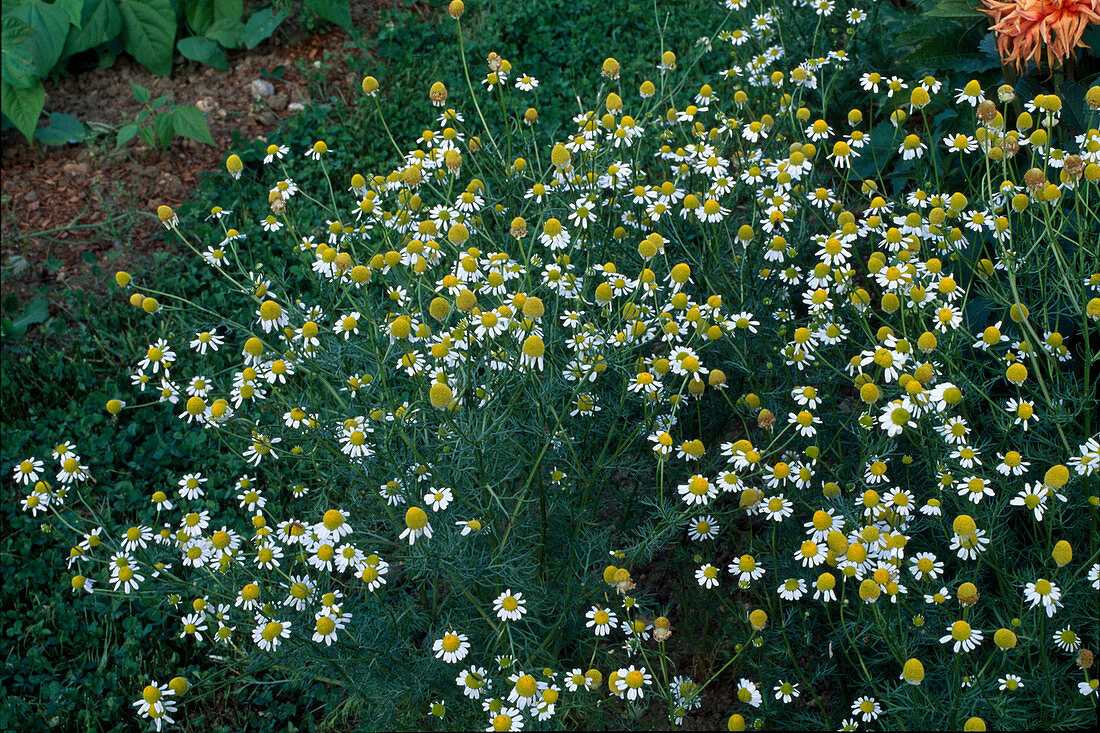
(76, 662)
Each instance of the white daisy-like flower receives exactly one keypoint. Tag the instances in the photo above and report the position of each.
(1043, 592)
(600, 620)
(792, 589)
(452, 647)
(439, 499)
(269, 634)
(510, 606)
(963, 637)
(473, 682)
(707, 576)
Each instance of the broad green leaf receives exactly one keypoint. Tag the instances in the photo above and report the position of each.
(141, 94)
(162, 126)
(875, 157)
(1091, 37)
(227, 32)
(944, 51)
(18, 70)
(203, 50)
(201, 14)
(1076, 111)
(50, 24)
(63, 129)
(109, 52)
(15, 30)
(100, 22)
(23, 106)
(37, 311)
(126, 133)
(957, 9)
(261, 25)
(334, 11)
(74, 8)
(149, 31)
(190, 122)
(16, 56)
(228, 9)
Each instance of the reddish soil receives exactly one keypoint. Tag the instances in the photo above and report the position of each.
(111, 195)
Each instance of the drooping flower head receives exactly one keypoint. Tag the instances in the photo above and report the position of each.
(1024, 26)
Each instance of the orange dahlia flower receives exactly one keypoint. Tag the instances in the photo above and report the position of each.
(1024, 26)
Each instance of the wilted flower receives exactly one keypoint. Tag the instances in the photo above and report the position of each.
(1023, 26)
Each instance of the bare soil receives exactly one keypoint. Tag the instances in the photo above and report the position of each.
(60, 203)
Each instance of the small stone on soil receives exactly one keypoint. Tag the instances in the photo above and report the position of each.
(278, 102)
(262, 88)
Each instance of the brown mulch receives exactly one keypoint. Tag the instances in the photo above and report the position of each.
(46, 188)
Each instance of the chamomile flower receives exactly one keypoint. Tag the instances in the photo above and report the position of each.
(269, 634)
(912, 147)
(156, 704)
(810, 554)
(963, 637)
(866, 708)
(28, 471)
(157, 356)
(1022, 411)
(786, 691)
(969, 547)
(261, 447)
(373, 572)
(895, 417)
(707, 576)
(123, 575)
(971, 94)
(206, 340)
(925, 566)
(746, 569)
(275, 152)
(526, 83)
(1067, 640)
(452, 647)
(473, 681)
(1012, 464)
(510, 606)
(825, 587)
(807, 397)
(778, 508)
(137, 537)
(634, 680)
(525, 690)
(1043, 592)
(416, 525)
(505, 719)
(748, 693)
(193, 625)
(702, 528)
(439, 499)
(600, 620)
(954, 430)
(792, 589)
(698, 490)
(967, 456)
(1032, 498)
